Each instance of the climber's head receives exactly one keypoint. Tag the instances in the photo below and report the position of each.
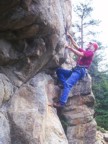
(92, 46)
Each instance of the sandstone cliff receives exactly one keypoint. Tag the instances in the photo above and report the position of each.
(32, 37)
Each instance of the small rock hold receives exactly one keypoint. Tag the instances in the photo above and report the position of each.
(106, 137)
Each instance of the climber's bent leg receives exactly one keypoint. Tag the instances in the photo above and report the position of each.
(71, 81)
(62, 75)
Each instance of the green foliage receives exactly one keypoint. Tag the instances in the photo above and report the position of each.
(83, 11)
(102, 120)
(101, 129)
(100, 90)
(83, 28)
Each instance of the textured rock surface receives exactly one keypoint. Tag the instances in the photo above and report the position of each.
(32, 120)
(32, 37)
(6, 89)
(79, 114)
(100, 137)
(4, 130)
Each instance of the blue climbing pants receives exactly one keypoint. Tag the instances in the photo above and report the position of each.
(68, 79)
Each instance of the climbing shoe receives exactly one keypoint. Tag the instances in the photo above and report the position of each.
(58, 105)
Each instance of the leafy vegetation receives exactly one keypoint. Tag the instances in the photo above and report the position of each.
(100, 90)
(101, 129)
(85, 23)
(99, 78)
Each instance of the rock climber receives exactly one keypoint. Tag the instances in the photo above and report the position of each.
(68, 78)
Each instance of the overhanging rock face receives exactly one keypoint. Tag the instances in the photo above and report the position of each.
(32, 35)
(32, 38)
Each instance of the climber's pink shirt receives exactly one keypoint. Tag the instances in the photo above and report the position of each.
(86, 60)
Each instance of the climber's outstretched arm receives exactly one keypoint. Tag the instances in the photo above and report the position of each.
(75, 51)
(73, 41)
